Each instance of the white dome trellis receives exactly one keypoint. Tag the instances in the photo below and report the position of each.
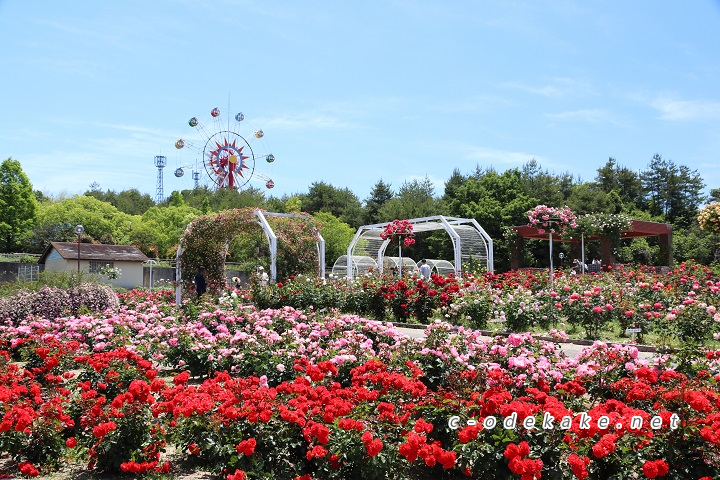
(409, 265)
(469, 239)
(360, 265)
(441, 267)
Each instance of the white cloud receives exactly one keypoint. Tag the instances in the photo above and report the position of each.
(312, 121)
(475, 103)
(556, 87)
(679, 110)
(593, 115)
(503, 157)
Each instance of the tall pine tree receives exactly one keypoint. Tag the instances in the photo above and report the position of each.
(380, 194)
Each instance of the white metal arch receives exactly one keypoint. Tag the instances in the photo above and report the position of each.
(469, 239)
(272, 241)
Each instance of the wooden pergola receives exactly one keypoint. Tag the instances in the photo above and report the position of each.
(639, 228)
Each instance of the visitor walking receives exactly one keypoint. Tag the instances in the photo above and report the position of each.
(425, 269)
(200, 285)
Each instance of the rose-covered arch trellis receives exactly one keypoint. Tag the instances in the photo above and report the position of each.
(296, 245)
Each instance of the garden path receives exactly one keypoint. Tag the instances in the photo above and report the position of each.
(570, 349)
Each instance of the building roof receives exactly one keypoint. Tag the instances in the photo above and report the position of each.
(95, 251)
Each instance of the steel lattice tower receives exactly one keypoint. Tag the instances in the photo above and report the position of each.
(160, 162)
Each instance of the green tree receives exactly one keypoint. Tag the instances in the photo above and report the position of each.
(133, 202)
(686, 197)
(168, 223)
(274, 204)
(546, 188)
(337, 236)
(250, 249)
(415, 199)
(588, 198)
(195, 197)
(100, 220)
(452, 184)
(379, 195)
(222, 198)
(205, 206)
(495, 201)
(176, 199)
(673, 192)
(341, 202)
(293, 204)
(43, 233)
(40, 196)
(627, 184)
(145, 237)
(130, 201)
(17, 204)
(696, 244)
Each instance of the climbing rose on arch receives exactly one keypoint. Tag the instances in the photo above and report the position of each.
(399, 229)
(205, 244)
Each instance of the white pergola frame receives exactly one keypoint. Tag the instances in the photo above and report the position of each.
(436, 222)
(272, 242)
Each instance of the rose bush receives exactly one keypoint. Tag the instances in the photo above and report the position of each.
(397, 231)
(554, 219)
(356, 416)
(288, 393)
(709, 218)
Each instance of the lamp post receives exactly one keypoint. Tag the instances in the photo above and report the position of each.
(552, 273)
(79, 229)
(151, 262)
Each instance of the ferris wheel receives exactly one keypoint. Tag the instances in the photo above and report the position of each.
(229, 158)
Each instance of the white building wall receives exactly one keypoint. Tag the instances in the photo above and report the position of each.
(132, 272)
(132, 275)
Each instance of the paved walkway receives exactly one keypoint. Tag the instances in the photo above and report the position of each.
(570, 349)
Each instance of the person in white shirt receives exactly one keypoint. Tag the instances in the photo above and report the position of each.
(424, 269)
(262, 276)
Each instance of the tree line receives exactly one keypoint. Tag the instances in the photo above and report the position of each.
(664, 192)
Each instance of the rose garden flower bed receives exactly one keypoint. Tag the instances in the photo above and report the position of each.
(285, 393)
(675, 309)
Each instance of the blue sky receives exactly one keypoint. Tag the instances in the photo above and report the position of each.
(352, 92)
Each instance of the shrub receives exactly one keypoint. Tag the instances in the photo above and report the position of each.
(50, 302)
(94, 296)
(114, 412)
(54, 302)
(17, 307)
